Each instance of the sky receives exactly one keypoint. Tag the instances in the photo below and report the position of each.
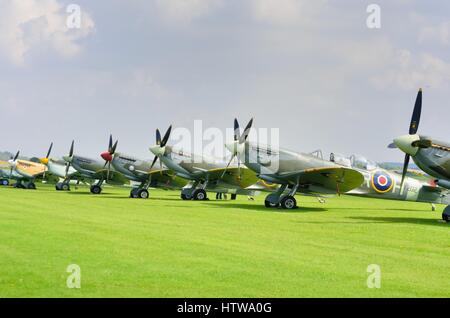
(313, 69)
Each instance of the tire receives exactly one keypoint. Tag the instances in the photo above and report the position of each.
(134, 193)
(4, 182)
(96, 189)
(233, 196)
(185, 197)
(269, 204)
(58, 186)
(446, 214)
(31, 186)
(199, 195)
(142, 194)
(65, 187)
(288, 202)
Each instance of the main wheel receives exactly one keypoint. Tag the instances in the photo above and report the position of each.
(233, 196)
(4, 182)
(269, 204)
(19, 186)
(65, 187)
(142, 193)
(134, 193)
(96, 189)
(199, 194)
(58, 186)
(446, 214)
(185, 196)
(288, 202)
(31, 186)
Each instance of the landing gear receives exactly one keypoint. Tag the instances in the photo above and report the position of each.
(233, 196)
(269, 204)
(185, 196)
(199, 195)
(62, 186)
(142, 194)
(96, 189)
(4, 182)
(19, 185)
(446, 214)
(288, 202)
(31, 186)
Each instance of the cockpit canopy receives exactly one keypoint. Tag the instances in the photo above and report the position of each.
(353, 161)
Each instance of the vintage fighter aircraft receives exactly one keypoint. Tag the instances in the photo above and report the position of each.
(205, 174)
(23, 171)
(386, 184)
(92, 169)
(430, 155)
(140, 171)
(302, 172)
(57, 167)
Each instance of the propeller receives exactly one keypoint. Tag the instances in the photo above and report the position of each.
(108, 156)
(238, 145)
(413, 127)
(158, 149)
(68, 159)
(44, 160)
(13, 162)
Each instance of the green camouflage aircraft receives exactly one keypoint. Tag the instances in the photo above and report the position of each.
(386, 184)
(205, 174)
(430, 155)
(295, 172)
(141, 171)
(92, 169)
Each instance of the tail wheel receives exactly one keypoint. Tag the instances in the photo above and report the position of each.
(288, 202)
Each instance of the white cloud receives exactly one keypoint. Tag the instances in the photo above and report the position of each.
(27, 24)
(184, 11)
(435, 34)
(409, 71)
(285, 12)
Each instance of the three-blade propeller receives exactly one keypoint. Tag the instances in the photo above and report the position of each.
(237, 145)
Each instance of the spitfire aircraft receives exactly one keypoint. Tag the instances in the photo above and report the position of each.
(141, 171)
(24, 171)
(205, 174)
(302, 172)
(58, 168)
(430, 155)
(383, 184)
(92, 169)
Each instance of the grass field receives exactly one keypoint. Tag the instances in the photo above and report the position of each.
(166, 247)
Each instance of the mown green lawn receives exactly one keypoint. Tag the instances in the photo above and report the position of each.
(166, 247)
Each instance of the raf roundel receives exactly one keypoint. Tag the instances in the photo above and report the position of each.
(382, 182)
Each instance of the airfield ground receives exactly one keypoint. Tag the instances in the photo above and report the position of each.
(166, 247)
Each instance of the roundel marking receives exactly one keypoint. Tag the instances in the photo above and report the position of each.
(382, 182)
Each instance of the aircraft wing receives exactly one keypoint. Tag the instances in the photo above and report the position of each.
(29, 168)
(114, 176)
(242, 177)
(166, 179)
(337, 179)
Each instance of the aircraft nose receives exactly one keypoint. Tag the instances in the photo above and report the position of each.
(67, 158)
(106, 156)
(158, 150)
(404, 143)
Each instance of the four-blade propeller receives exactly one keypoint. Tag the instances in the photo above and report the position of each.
(238, 145)
(159, 148)
(108, 156)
